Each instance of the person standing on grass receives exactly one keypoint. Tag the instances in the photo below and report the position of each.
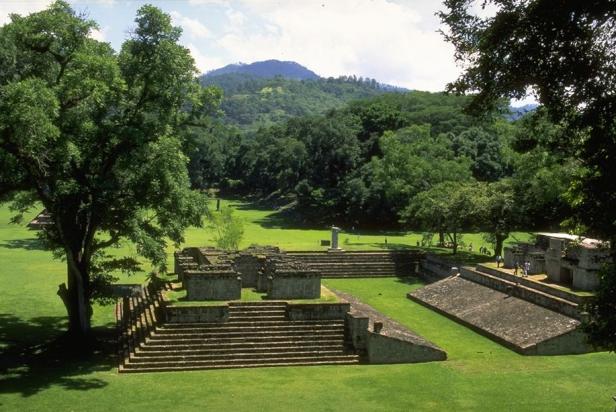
(516, 266)
(526, 268)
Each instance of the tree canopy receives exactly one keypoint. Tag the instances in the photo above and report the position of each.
(94, 135)
(565, 53)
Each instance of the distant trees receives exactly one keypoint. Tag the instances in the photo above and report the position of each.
(449, 208)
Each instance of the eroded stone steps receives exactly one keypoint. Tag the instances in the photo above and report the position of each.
(253, 340)
(195, 327)
(237, 356)
(349, 360)
(244, 334)
(285, 346)
(232, 362)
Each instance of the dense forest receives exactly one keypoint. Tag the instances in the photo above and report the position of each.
(252, 101)
(365, 165)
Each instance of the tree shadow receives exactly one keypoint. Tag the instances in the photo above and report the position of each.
(410, 280)
(36, 355)
(27, 244)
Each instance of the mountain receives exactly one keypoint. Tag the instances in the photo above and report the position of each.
(516, 112)
(268, 69)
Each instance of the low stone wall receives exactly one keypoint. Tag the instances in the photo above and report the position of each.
(317, 311)
(196, 314)
(356, 327)
(433, 268)
(383, 349)
(294, 284)
(520, 291)
(220, 285)
(563, 294)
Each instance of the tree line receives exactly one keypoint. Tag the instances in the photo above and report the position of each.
(397, 161)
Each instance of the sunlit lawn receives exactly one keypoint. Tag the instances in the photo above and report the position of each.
(37, 374)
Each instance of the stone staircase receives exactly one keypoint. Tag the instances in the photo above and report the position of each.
(360, 264)
(256, 334)
(137, 317)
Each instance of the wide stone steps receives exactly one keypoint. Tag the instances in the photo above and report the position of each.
(197, 344)
(131, 368)
(255, 334)
(238, 355)
(235, 362)
(252, 347)
(362, 264)
(249, 323)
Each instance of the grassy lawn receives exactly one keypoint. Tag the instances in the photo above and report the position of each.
(39, 373)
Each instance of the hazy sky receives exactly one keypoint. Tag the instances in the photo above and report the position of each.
(393, 41)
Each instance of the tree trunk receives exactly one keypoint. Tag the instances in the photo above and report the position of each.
(75, 297)
(441, 239)
(498, 246)
(454, 241)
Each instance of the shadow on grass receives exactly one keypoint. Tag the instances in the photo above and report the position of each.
(37, 356)
(27, 244)
(411, 281)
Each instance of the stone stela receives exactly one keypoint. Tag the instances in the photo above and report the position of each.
(334, 244)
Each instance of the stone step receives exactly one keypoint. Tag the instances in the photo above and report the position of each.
(258, 322)
(245, 334)
(237, 362)
(235, 356)
(256, 312)
(153, 350)
(244, 330)
(230, 327)
(349, 360)
(231, 342)
(221, 339)
(248, 305)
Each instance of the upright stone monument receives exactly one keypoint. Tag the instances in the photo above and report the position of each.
(334, 246)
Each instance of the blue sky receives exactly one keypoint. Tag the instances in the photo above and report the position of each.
(393, 41)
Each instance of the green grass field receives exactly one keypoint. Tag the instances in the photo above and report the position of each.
(37, 373)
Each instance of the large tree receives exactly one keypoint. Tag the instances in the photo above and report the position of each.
(564, 51)
(93, 135)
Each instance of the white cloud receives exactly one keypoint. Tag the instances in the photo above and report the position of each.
(204, 63)
(389, 41)
(209, 2)
(21, 7)
(194, 28)
(99, 34)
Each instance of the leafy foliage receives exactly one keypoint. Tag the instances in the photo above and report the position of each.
(567, 56)
(228, 229)
(95, 136)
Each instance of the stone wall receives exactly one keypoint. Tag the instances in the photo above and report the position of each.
(383, 349)
(548, 301)
(212, 285)
(196, 314)
(356, 329)
(317, 311)
(294, 284)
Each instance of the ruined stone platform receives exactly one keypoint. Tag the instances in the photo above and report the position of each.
(522, 326)
(394, 343)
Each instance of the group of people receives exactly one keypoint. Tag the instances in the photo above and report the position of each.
(516, 267)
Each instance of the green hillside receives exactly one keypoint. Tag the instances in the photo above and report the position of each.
(251, 102)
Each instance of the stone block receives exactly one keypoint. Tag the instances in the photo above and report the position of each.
(212, 285)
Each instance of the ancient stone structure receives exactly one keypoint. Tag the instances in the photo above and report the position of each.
(42, 220)
(210, 274)
(566, 259)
